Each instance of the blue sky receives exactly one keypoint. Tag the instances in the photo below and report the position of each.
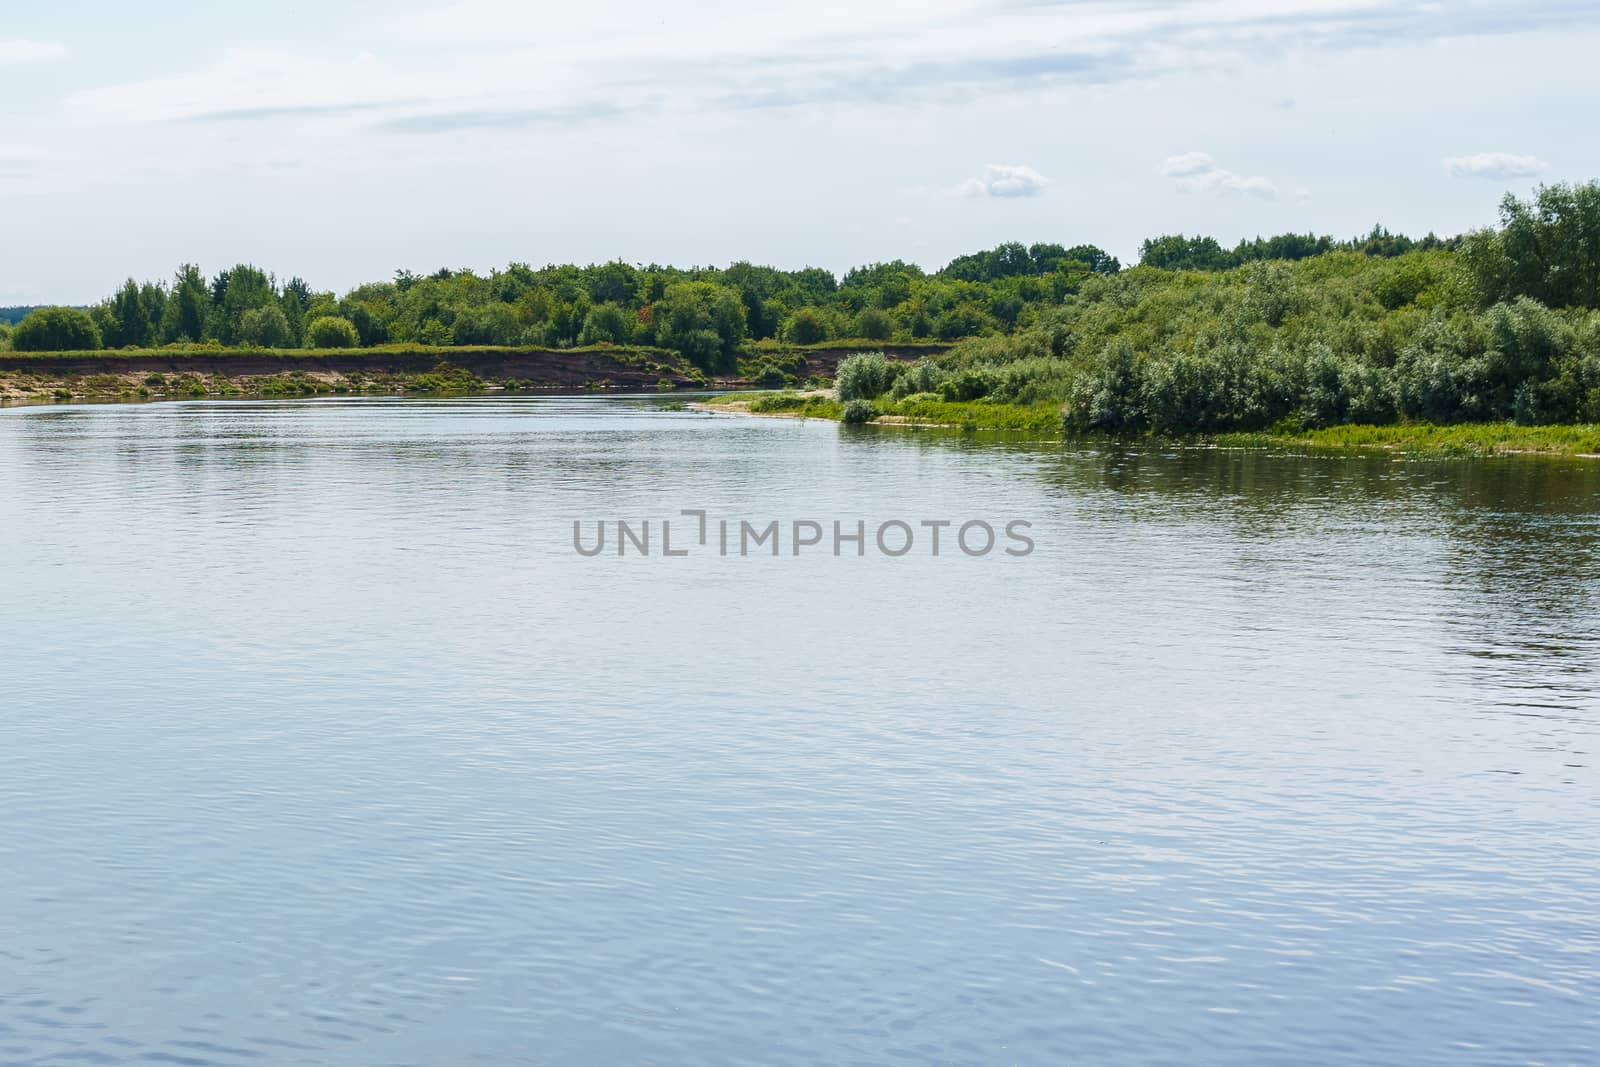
(342, 141)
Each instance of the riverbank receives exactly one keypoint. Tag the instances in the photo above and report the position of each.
(1044, 420)
(200, 371)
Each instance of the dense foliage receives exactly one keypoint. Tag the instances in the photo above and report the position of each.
(707, 315)
(1289, 330)
(1177, 252)
(55, 330)
(1505, 328)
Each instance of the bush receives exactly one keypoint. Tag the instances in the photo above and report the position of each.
(866, 375)
(923, 376)
(771, 377)
(5, 336)
(55, 329)
(971, 384)
(805, 327)
(857, 412)
(331, 331)
(265, 327)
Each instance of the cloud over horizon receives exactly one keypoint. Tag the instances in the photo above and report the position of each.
(1005, 181)
(1197, 172)
(505, 58)
(1498, 166)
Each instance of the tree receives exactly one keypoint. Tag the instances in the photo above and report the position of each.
(244, 288)
(330, 331)
(265, 327)
(56, 329)
(129, 320)
(1548, 248)
(874, 324)
(184, 318)
(491, 324)
(607, 323)
(805, 327)
(1177, 252)
(702, 321)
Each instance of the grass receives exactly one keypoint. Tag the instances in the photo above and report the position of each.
(1039, 419)
(1465, 439)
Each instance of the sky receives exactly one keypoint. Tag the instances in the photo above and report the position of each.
(343, 141)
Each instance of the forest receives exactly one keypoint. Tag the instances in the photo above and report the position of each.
(706, 315)
(1501, 324)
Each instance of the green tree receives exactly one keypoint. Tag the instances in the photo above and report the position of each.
(1548, 248)
(330, 331)
(244, 288)
(702, 321)
(874, 324)
(606, 323)
(491, 324)
(265, 327)
(56, 329)
(187, 307)
(1177, 252)
(130, 322)
(805, 327)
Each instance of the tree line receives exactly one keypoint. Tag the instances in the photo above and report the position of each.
(1500, 324)
(705, 314)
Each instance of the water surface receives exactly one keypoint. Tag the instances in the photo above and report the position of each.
(321, 745)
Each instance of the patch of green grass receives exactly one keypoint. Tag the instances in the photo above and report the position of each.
(814, 407)
(1043, 419)
(1478, 439)
(924, 409)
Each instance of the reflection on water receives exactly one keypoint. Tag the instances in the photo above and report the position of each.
(322, 746)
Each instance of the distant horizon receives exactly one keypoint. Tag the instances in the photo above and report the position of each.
(1126, 262)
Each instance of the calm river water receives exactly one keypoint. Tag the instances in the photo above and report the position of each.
(322, 745)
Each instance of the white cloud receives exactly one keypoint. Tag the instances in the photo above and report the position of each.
(1495, 165)
(1197, 172)
(499, 62)
(1188, 165)
(30, 51)
(1005, 181)
(254, 83)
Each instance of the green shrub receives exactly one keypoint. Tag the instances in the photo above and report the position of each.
(265, 327)
(770, 377)
(805, 327)
(331, 331)
(859, 411)
(923, 376)
(55, 329)
(866, 375)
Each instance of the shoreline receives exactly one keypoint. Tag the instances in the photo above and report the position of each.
(1464, 440)
(199, 371)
